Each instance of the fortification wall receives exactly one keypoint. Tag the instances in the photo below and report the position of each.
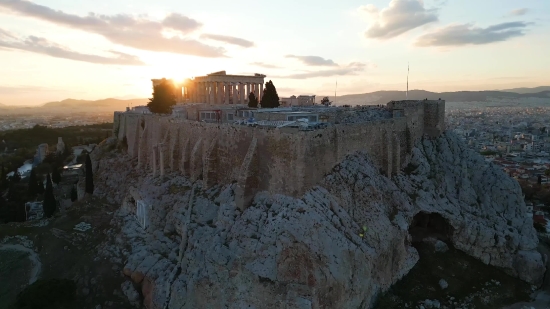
(434, 117)
(277, 160)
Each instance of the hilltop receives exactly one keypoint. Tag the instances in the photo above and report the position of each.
(382, 97)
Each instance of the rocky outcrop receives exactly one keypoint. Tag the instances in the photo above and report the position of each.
(338, 246)
(483, 205)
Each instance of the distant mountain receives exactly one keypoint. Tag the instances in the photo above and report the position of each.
(528, 90)
(383, 97)
(76, 106)
(115, 104)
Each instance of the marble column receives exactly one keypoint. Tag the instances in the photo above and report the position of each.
(209, 92)
(241, 93)
(257, 91)
(234, 93)
(226, 92)
(214, 92)
(261, 92)
(221, 94)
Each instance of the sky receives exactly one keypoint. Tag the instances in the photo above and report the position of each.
(51, 50)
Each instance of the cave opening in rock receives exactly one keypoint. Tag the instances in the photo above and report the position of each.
(432, 225)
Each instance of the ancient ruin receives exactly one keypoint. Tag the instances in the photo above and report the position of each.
(275, 155)
(218, 88)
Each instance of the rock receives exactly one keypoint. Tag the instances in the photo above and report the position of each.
(441, 246)
(130, 292)
(200, 251)
(443, 284)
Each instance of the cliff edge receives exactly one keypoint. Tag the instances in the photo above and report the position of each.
(338, 246)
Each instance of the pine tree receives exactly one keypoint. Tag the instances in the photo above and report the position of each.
(252, 100)
(163, 98)
(33, 183)
(89, 176)
(49, 204)
(270, 98)
(56, 176)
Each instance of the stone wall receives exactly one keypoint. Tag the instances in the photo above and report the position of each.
(279, 161)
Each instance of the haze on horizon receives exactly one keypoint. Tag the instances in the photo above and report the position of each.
(51, 50)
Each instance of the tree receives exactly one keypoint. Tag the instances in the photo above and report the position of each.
(49, 204)
(326, 102)
(74, 194)
(89, 176)
(33, 183)
(67, 151)
(270, 98)
(252, 100)
(56, 176)
(40, 186)
(163, 98)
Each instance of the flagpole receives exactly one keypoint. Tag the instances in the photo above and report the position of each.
(407, 94)
(335, 87)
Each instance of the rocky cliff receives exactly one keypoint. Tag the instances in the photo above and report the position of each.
(338, 246)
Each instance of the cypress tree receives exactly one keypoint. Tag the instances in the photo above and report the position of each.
(89, 176)
(56, 176)
(49, 204)
(252, 100)
(33, 183)
(40, 185)
(74, 194)
(163, 98)
(270, 98)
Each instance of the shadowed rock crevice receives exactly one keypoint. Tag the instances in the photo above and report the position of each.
(430, 225)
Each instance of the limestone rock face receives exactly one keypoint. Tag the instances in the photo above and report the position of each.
(484, 206)
(338, 246)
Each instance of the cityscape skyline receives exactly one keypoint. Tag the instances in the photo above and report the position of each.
(56, 49)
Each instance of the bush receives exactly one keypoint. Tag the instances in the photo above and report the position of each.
(47, 294)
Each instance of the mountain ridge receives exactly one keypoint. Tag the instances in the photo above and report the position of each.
(368, 98)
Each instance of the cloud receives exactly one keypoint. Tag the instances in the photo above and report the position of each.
(351, 69)
(313, 60)
(518, 12)
(181, 23)
(265, 65)
(228, 39)
(464, 34)
(43, 46)
(136, 32)
(400, 17)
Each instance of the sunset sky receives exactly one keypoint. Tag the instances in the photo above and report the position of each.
(56, 49)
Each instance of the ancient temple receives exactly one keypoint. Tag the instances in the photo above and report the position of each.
(218, 88)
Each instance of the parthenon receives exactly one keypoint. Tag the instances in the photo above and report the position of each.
(218, 88)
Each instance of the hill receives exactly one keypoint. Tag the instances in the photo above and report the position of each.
(76, 106)
(383, 97)
(528, 90)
